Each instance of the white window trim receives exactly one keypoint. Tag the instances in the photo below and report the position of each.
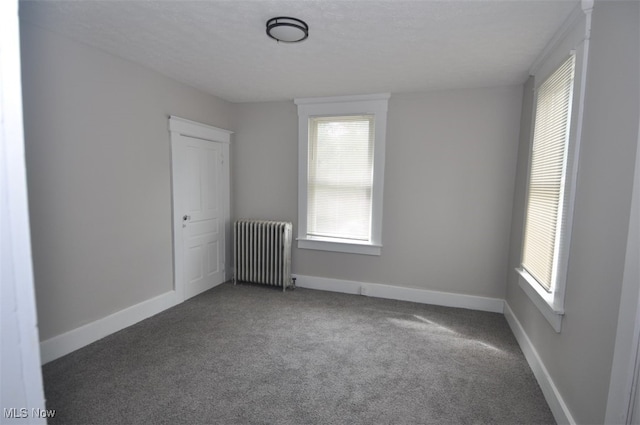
(573, 36)
(376, 105)
(542, 299)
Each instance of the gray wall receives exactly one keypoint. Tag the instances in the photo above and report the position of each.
(449, 176)
(579, 358)
(97, 150)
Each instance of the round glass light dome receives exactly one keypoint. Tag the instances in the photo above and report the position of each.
(287, 30)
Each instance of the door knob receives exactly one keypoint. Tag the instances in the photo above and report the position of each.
(186, 217)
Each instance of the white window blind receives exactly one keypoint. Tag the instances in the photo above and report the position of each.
(544, 215)
(340, 179)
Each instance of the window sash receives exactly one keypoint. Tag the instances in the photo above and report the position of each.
(340, 177)
(545, 199)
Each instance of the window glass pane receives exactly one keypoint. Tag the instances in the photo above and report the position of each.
(546, 179)
(340, 177)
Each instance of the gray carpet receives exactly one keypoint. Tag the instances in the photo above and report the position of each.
(252, 355)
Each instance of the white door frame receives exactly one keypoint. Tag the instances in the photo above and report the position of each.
(625, 369)
(19, 349)
(183, 127)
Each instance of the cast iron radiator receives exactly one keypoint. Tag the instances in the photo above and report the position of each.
(262, 252)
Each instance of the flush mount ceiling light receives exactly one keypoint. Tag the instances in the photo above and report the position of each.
(287, 30)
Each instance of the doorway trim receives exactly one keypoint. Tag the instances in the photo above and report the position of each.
(625, 370)
(183, 127)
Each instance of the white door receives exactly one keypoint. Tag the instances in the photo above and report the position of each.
(200, 192)
(202, 221)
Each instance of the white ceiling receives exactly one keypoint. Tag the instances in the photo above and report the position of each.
(354, 47)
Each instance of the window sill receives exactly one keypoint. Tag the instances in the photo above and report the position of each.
(332, 245)
(541, 299)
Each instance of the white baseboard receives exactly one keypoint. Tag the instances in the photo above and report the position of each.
(556, 403)
(68, 342)
(400, 293)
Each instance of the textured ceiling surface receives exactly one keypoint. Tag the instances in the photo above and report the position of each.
(354, 46)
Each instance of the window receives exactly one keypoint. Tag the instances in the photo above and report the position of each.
(550, 194)
(546, 177)
(340, 178)
(341, 173)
